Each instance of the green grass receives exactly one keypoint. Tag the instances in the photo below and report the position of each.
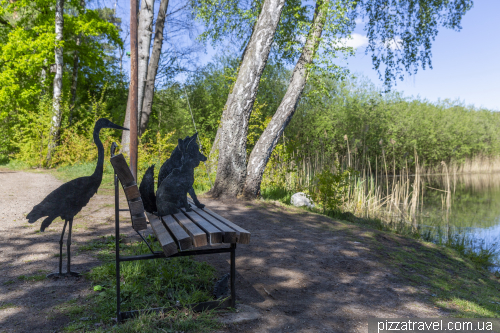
(277, 193)
(13, 164)
(34, 278)
(7, 306)
(69, 172)
(144, 284)
(453, 283)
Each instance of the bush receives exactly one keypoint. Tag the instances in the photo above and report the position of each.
(329, 188)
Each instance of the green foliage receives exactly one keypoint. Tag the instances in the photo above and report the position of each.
(329, 188)
(26, 52)
(357, 122)
(156, 151)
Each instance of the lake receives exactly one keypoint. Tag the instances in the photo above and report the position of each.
(473, 209)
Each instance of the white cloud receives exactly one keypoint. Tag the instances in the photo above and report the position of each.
(355, 41)
(358, 20)
(394, 44)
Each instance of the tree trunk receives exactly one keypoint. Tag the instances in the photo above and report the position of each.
(147, 104)
(125, 149)
(74, 79)
(145, 30)
(74, 76)
(267, 142)
(231, 170)
(56, 115)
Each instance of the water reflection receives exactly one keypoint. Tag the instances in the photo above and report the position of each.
(474, 208)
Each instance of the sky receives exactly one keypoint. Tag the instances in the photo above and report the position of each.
(466, 64)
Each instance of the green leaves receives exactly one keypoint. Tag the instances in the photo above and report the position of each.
(329, 187)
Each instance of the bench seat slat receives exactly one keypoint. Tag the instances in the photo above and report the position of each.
(167, 243)
(229, 235)
(198, 236)
(215, 235)
(244, 235)
(178, 232)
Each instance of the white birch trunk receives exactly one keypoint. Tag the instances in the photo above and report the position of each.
(145, 31)
(56, 115)
(125, 149)
(268, 140)
(231, 170)
(147, 104)
(74, 77)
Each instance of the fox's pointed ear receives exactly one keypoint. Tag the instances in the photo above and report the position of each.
(180, 143)
(195, 135)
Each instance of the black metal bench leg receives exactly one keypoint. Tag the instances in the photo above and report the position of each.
(117, 250)
(233, 275)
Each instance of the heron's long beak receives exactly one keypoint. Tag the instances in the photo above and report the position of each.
(118, 127)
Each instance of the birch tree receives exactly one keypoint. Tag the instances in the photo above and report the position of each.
(267, 142)
(231, 170)
(74, 76)
(56, 116)
(145, 31)
(147, 104)
(400, 37)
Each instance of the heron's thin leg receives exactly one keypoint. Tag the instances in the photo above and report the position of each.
(61, 245)
(68, 244)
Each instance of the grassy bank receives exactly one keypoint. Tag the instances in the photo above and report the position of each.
(481, 256)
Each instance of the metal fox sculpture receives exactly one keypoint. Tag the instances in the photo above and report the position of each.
(176, 177)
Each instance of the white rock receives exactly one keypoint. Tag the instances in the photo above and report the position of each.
(300, 199)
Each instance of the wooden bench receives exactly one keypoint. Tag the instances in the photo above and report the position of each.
(178, 234)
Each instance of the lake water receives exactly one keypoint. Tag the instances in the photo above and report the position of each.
(474, 209)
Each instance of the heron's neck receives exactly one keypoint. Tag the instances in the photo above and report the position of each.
(100, 154)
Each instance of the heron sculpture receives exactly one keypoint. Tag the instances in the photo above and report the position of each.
(69, 199)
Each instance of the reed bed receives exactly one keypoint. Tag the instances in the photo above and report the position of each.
(393, 199)
(390, 191)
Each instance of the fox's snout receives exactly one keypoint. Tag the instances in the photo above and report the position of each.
(202, 157)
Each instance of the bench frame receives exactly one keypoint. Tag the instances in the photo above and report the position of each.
(120, 316)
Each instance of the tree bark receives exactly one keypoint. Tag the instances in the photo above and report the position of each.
(56, 113)
(231, 170)
(125, 149)
(147, 104)
(268, 140)
(145, 30)
(74, 76)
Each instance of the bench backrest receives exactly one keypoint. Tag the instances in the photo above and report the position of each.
(131, 190)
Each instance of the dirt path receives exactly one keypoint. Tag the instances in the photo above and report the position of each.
(28, 302)
(301, 273)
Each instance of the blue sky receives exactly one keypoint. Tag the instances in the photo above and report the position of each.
(466, 64)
